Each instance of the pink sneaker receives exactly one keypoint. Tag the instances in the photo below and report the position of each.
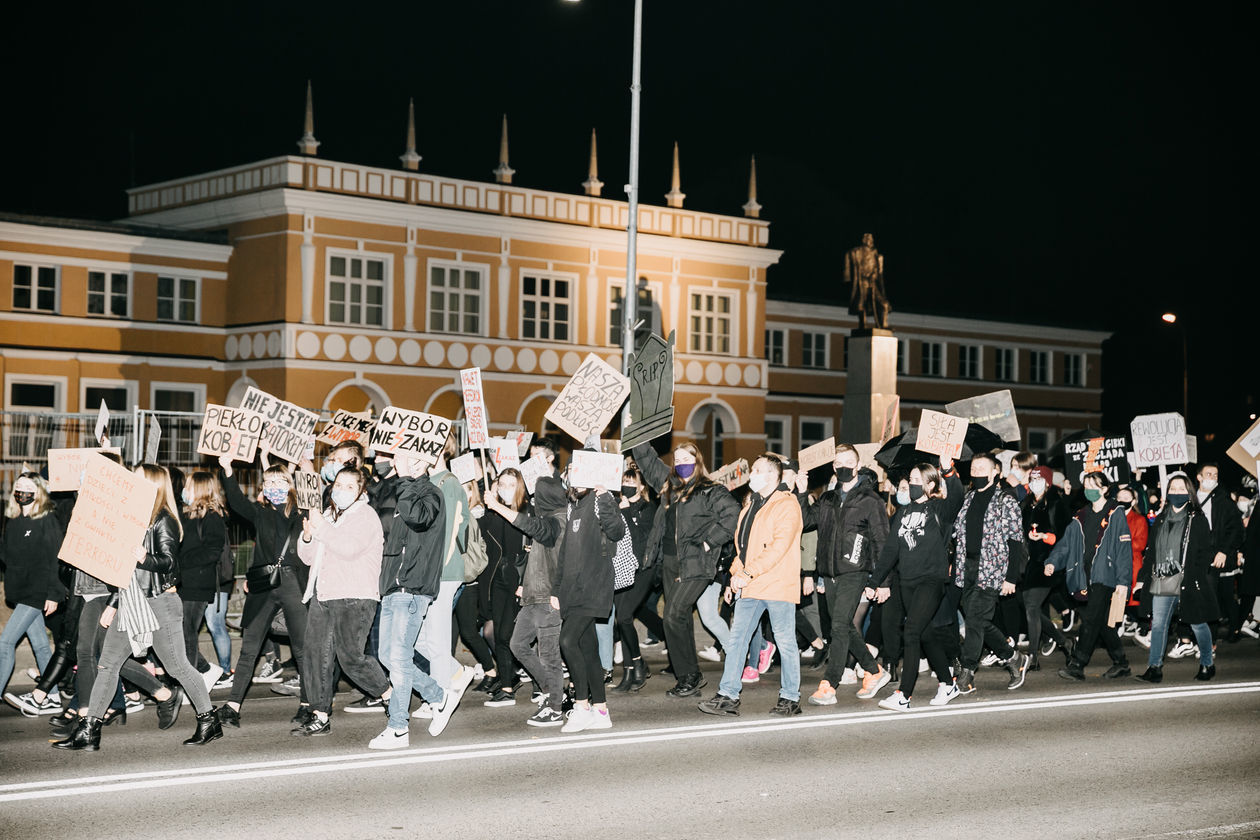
(765, 658)
(751, 675)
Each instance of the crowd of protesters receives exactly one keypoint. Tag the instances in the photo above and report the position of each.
(870, 580)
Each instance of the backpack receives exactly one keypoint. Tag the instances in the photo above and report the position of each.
(475, 556)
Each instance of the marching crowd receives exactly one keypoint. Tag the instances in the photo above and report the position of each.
(867, 581)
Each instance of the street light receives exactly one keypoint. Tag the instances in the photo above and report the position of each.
(1171, 318)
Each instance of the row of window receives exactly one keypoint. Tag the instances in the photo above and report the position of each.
(36, 288)
(31, 393)
(813, 354)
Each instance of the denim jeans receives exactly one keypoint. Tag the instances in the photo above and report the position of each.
(336, 634)
(710, 608)
(25, 621)
(604, 628)
(168, 644)
(541, 623)
(402, 615)
(434, 642)
(216, 623)
(1162, 609)
(745, 620)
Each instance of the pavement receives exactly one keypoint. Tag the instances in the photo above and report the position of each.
(1100, 759)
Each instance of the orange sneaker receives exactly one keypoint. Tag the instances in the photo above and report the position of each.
(872, 683)
(824, 696)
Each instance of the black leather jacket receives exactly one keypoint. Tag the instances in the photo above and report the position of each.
(157, 571)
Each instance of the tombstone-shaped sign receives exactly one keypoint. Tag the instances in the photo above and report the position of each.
(651, 392)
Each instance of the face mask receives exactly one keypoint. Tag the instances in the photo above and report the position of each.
(1207, 485)
(844, 474)
(23, 497)
(276, 495)
(1178, 499)
(757, 482)
(1243, 505)
(980, 482)
(628, 490)
(342, 499)
(903, 497)
(506, 497)
(329, 470)
(1038, 486)
(1092, 494)
(477, 511)
(917, 492)
(383, 467)
(684, 470)
(187, 497)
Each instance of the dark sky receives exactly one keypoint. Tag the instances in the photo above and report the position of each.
(1077, 164)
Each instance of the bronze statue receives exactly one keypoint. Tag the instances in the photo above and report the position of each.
(864, 268)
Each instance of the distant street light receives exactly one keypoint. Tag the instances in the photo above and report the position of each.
(1171, 318)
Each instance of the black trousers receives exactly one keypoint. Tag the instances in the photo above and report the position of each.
(194, 614)
(336, 632)
(843, 595)
(1094, 627)
(503, 610)
(978, 606)
(466, 615)
(922, 599)
(680, 626)
(626, 603)
(260, 609)
(581, 651)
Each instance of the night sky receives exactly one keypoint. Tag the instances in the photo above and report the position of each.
(1050, 162)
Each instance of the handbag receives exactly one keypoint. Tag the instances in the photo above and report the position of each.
(1170, 585)
(270, 573)
(475, 556)
(624, 563)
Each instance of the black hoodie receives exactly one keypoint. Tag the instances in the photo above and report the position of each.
(541, 579)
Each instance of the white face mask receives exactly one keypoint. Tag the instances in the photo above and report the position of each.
(1243, 506)
(187, 497)
(1037, 486)
(758, 482)
(478, 511)
(506, 496)
(1207, 485)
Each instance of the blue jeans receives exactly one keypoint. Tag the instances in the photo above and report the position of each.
(25, 621)
(711, 615)
(783, 622)
(216, 623)
(401, 618)
(604, 635)
(1162, 609)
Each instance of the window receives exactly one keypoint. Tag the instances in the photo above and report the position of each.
(710, 323)
(115, 399)
(968, 361)
(776, 347)
(1074, 370)
(35, 288)
(1039, 367)
(175, 399)
(903, 356)
(356, 289)
(1039, 440)
(814, 430)
(814, 350)
(933, 358)
(644, 313)
(455, 297)
(1004, 359)
(177, 299)
(777, 438)
(545, 307)
(109, 293)
(33, 395)
(30, 433)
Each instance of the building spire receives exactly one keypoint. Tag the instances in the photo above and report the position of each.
(411, 160)
(308, 145)
(503, 173)
(751, 208)
(675, 196)
(592, 185)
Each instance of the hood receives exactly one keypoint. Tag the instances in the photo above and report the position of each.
(549, 495)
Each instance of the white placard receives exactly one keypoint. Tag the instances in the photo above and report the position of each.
(533, 469)
(464, 467)
(475, 408)
(596, 469)
(1159, 439)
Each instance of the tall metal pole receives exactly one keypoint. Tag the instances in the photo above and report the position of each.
(1185, 376)
(630, 299)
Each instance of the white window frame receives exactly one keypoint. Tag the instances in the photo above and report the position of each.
(1080, 371)
(109, 276)
(33, 436)
(573, 301)
(903, 356)
(1049, 377)
(1049, 433)
(59, 392)
(129, 385)
(785, 420)
(198, 391)
(731, 316)
(940, 368)
(826, 350)
(828, 430)
(35, 267)
(655, 288)
(997, 356)
(784, 357)
(979, 366)
(178, 279)
(387, 280)
(482, 293)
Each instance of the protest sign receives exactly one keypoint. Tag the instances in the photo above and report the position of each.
(153, 441)
(289, 427)
(590, 399)
(523, 440)
(866, 455)
(1192, 449)
(102, 424)
(596, 469)
(820, 454)
(411, 432)
(892, 419)
(995, 411)
(310, 494)
(475, 408)
(733, 475)
(503, 453)
(1246, 450)
(941, 434)
(1105, 454)
(230, 431)
(1159, 439)
(346, 425)
(535, 468)
(1119, 600)
(651, 392)
(111, 517)
(65, 466)
(464, 468)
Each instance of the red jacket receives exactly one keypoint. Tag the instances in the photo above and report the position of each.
(1138, 532)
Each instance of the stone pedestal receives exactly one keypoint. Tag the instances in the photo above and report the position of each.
(872, 386)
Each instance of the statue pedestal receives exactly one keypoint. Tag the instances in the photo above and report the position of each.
(872, 386)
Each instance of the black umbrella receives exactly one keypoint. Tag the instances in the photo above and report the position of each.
(899, 452)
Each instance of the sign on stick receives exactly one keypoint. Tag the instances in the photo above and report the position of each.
(110, 519)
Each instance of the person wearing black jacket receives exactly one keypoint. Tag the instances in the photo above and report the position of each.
(695, 520)
(852, 523)
(1046, 517)
(505, 546)
(918, 549)
(203, 519)
(1222, 515)
(277, 528)
(639, 513)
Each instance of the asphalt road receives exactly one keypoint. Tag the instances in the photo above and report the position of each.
(1053, 759)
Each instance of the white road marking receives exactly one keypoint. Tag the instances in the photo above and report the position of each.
(80, 786)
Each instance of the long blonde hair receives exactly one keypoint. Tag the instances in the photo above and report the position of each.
(207, 496)
(42, 504)
(165, 499)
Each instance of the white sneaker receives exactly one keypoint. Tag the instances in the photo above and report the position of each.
(858, 671)
(425, 712)
(580, 718)
(944, 693)
(990, 660)
(270, 672)
(225, 682)
(32, 674)
(212, 676)
(600, 719)
(710, 653)
(390, 739)
(26, 704)
(1251, 629)
(1143, 640)
(1183, 649)
(848, 677)
(895, 702)
(923, 665)
(442, 714)
(874, 650)
(617, 653)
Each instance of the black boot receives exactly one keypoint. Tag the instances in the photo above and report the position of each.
(208, 729)
(641, 674)
(168, 709)
(1206, 672)
(86, 736)
(226, 714)
(1034, 664)
(627, 677)
(1153, 674)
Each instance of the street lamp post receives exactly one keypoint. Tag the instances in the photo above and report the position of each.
(630, 297)
(1171, 318)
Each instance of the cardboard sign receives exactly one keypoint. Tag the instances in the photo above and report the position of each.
(819, 454)
(941, 434)
(230, 431)
(866, 458)
(464, 468)
(289, 427)
(65, 466)
(110, 519)
(596, 469)
(651, 392)
(310, 492)
(346, 425)
(1246, 450)
(590, 399)
(1159, 439)
(503, 453)
(411, 432)
(1107, 455)
(102, 423)
(892, 419)
(1192, 449)
(995, 411)
(475, 408)
(534, 469)
(523, 440)
(152, 442)
(1119, 600)
(733, 475)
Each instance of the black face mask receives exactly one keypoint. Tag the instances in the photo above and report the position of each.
(628, 490)
(917, 492)
(980, 483)
(844, 474)
(23, 497)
